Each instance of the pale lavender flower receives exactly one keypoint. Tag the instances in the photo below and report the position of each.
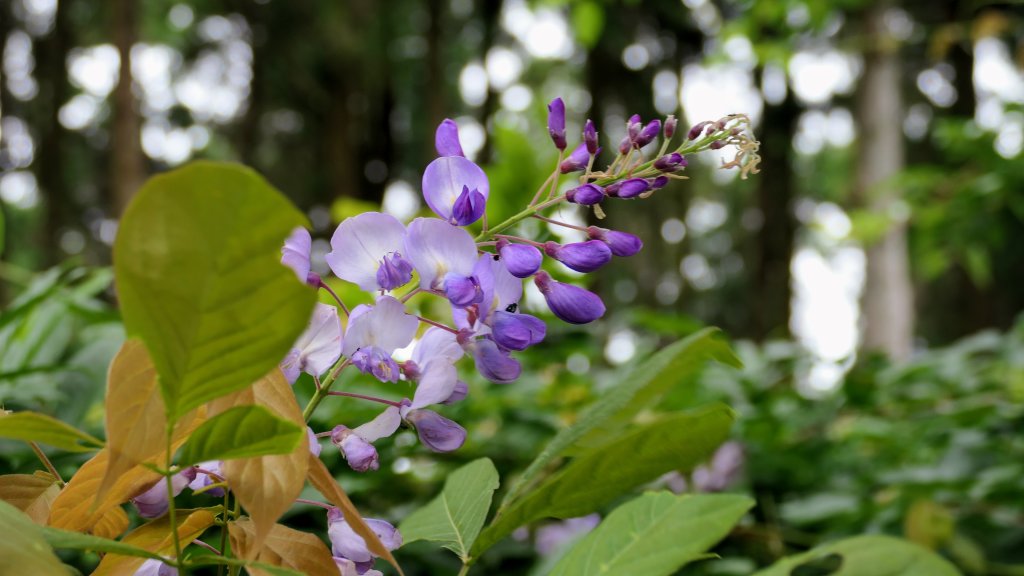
(152, 567)
(154, 502)
(318, 347)
(553, 536)
(295, 253)
(345, 543)
(494, 363)
(356, 445)
(435, 431)
(375, 332)
(203, 479)
(360, 246)
(314, 442)
(441, 254)
(446, 139)
(444, 181)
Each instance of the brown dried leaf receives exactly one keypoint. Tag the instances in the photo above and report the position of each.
(155, 537)
(136, 420)
(321, 479)
(77, 508)
(33, 494)
(267, 486)
(111, 524)
(282, 547)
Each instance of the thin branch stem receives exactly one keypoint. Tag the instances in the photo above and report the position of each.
(323, 391)
(336, 298)
(437, 324)
(46, 462)
(171, 512)
(365, 397)
(313, 503)
(559, 223)
(199, 542)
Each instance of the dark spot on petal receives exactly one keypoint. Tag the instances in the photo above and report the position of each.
(512, 308)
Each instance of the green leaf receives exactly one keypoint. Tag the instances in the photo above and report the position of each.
(866, 556)
(455, 517)
(36, 427)
(642, 388)
(198, 272)
(212, 560)
(58, 538)
(241, 432)
(655, 534)
(22, 545)
(599, 475)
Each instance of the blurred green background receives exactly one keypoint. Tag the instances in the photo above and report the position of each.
(870, 274)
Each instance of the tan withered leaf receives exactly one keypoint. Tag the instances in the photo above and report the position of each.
(267, 485)
(155, 537)
(321, 479)
(111, 524)
(74, 507)
(33, 494)
(136, 422)
(283, 547)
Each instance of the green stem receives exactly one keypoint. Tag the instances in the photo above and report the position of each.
(46, 462)
(171, 513)
(322, 391)
(465, 569)
(224, 534)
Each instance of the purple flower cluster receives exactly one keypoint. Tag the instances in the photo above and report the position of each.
(480, 278)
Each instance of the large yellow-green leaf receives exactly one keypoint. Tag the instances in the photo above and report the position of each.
(654, 535)
(155, 537)
(601, 474)
(198, 273)
(22, 547)
(642, 388)
(866, 556)
(284, 547)
(33, 494)
(456, 516)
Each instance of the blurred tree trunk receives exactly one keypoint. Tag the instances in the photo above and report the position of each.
(771, 292)
(888, 300)
(127, 163)
(54, 88)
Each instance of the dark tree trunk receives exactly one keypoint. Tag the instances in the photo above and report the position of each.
(127, 162)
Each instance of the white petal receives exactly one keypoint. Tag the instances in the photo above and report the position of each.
(436, 343)
(436, 384)
(436, 248)
(359, 244)
(385, 326)
(320, 344)
(295, 253)
(382, 426)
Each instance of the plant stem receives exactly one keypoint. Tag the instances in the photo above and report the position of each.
(171, 514)
(46, 462)
(314, 503)
(465, 569)
(224, 534)
(202, 544)
(438, 324)
(336, 298)
(364, 397)
(517, 218)
(323, 391)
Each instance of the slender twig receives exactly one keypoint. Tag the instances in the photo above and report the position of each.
(559, 223)
(313, 503)
(365, 397)
(199, 542)
(437, 324)
(323, 390)
(224, 534)
(46, 462)
(171, 513)
(336, 298)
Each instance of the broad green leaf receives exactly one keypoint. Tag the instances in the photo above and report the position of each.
(211, 560)
(35, 427)
(456, 516)
(647, 384)
(58, 538)
(33, 494)
(868, 556)
(22, 547)
(654, 535)
(198, 272)
(241, 432)
(599, 475)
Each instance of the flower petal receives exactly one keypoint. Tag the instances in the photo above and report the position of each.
(359, 245)
(444, 179)
(437, 248)
(295, 253)
(436, 384)
(382, 426)
(385, 325)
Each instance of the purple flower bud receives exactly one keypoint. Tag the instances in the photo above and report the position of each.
(360, 454)
(670, 126)
(587, 195)
(625, 144)
(622, 244)
(516, 331)
(468, 207)
(570, 303)
(493, 363)
(649, 133)
(375, 361)
(630, 188)
(556, 122)
(590, 137)
(154, 502)
(717, 145)
(446, 139)
(658, 183)
(694, 132)
(634, 126)
(577, 160)
(394, 271)
(521, 260)
(462, 291)
(671, 162)
(580, 256)
(435, 431)
(458, 394)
